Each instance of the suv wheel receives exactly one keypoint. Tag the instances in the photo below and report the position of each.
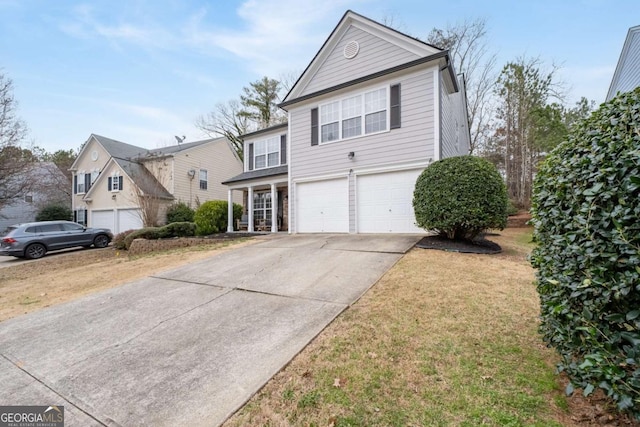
(35, 251)
(101, 241)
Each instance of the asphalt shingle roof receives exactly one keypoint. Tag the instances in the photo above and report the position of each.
(260, 173)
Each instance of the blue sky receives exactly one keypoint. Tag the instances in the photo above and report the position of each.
(141, 71)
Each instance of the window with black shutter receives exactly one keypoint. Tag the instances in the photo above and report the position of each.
(283, 149)
(395, 107)
(314, 126)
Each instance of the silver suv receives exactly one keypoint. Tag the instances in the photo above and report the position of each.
(34, 239)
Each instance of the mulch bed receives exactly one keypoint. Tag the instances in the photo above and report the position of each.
(478, 246)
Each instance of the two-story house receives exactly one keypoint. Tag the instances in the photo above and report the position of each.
(370, 112)
(121, 186)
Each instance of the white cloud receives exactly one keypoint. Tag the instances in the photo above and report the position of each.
(275, 36)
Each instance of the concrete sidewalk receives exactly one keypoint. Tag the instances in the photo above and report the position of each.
(192, 345)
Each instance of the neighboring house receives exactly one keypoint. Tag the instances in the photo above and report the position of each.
(627, 75)
(46, 185)
(371, 111)
(121, 187)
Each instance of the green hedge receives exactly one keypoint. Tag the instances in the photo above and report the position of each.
(460, 197)
(176, 229)
(586, 214)
(211, 217)
(179, 212)
(54, 213)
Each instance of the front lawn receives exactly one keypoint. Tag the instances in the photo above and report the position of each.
(442, 339)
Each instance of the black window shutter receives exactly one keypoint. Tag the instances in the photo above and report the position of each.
(75, 216)
(314, 126)
(120, 183)
(109, 183)
(85, 218)
(395, 107)
(283, 149)
(87, 182)
(75, 184)
(251, 156)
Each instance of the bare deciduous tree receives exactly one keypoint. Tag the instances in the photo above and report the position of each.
(226, 121)
(150, 176)
(14, 160)
(471, 57)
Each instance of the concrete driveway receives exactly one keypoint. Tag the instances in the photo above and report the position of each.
(192, 345)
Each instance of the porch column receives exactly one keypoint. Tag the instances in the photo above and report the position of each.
(230, 212)
(274, 209)
(250, 209)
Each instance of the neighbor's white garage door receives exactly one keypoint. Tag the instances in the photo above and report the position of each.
(385, 202)
(129, 219)
(103, 219)
(323, 206)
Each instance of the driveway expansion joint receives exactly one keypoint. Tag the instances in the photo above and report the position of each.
(191, 282)
(294, 297)
(47, 386)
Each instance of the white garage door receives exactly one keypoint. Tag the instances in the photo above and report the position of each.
(103, 219)
(323, 206)
(385, 202)
(129, 219)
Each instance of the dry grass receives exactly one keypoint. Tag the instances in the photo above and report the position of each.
(442, 339)
(66, 276)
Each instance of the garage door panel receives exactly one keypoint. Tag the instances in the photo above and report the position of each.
(323, 206)
(129, 219)
(103, 219)
(385, 202)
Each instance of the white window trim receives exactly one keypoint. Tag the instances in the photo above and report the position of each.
(115, 183)
(206, 180)
(362, 115)
(266, 152)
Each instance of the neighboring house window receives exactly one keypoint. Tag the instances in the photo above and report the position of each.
(28, 198)
(203, 179)
(266, 153)
(261, 207)
(82, 182)
(344, 119)
(80, 216)
(94, 176)
(114, 183)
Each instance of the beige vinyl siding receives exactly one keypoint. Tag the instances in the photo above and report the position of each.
(219, 161)
(85, 164)
(375, 54)
(102, 198)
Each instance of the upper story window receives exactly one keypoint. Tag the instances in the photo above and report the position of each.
(344, 118)
(203, 179)
(81, 182)
(268, 153)
(366, 113)
(115, 182)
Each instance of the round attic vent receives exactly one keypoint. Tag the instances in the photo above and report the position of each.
(351, 49)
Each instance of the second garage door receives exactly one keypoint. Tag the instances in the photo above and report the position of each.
(385, 202)
(129, 219)
(323, 206)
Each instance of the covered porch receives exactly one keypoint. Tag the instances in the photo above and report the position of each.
(265, 200)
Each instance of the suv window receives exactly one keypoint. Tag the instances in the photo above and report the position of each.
(50, 227)
(28, 230)
(71, 227)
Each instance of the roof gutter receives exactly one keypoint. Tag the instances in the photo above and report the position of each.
(419, 61)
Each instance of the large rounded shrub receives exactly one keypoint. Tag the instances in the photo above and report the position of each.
(54, 213)
(211, 217)
(460, 197)
(179, 212)
(586, 213)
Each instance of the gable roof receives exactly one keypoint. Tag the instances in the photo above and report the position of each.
(260, 173)
(350, 18)
(140, 176)
(627, 74)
